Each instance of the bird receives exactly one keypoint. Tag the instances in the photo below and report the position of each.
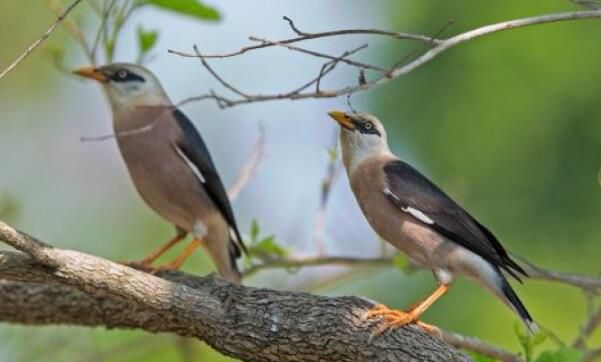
(170, 166)
(410, 212)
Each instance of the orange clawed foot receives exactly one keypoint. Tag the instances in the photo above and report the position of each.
(393, 319)
(147, 266)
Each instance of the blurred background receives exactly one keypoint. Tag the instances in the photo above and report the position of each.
(508, 124)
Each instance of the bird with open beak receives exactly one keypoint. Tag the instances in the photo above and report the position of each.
(170, 166)
(410, 212)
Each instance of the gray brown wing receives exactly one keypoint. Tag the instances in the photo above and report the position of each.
(194, 148)
(419, 197)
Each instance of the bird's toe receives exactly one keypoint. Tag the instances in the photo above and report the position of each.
(392, 319)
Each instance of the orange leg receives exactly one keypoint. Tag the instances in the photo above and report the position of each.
(147, 261)
(181, 258)
(393, 319)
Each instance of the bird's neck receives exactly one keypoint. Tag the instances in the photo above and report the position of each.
(124, 105)
(354, 151)
(141, 118)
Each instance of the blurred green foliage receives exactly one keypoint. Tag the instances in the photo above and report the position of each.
(263, 247)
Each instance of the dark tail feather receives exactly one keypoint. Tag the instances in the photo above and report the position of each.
(515, 266)
(517, 304)
(234, 252)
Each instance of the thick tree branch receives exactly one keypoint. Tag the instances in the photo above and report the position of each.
(51, 285)
(436, 47)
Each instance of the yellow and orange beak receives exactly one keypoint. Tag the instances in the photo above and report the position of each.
(92, 73)
(343, 119)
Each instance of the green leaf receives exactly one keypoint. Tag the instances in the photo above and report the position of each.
(400, 261)
(527, 340)
(333, 153)
(193, 8)
(146, 40)
(267, 248)
(57, 54)
(254, 231)
(563, 354)
(10, 209)
(538, 338)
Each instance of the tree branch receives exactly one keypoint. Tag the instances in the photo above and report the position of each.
(54, 286)
(437, 47)
(310, 36)
(586, 283)
(250, 167)
(39, 40)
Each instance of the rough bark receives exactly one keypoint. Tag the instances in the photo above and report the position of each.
(253, 324)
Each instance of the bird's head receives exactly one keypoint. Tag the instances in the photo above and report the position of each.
(127, 85)
(361, 134)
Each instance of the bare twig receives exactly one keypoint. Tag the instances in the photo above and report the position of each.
(590, 326)
(589, 4)
(309, 36)
(439, 46)
(297, 263)
(40, 40)
(325, 69)
(588, 284)
(102, 31)
(476, 345)
(583, 282)
(321, 55)
(216, 76)
(332, 170)
(591, 355)
(249, 169)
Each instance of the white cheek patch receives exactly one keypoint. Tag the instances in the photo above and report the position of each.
(190, 164)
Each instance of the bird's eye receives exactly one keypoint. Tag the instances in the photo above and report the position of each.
(122, 74)
(368, 126)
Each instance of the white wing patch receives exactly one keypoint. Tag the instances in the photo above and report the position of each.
(419, 215)
(410, 210)
(190, 164)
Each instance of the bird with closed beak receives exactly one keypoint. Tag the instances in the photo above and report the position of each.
(410, 212)
(170, 166)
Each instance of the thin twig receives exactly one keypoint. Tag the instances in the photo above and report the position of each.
(325, 69)
(321, 55)
(250, 167)
(590, 326)
(592, 355)
(589, 284)
(535, 272)
(71, 27)
(440, 47)
(40, 40)
(102, 31)
(296, 263)
(216, 76)
(476, 345)
(310, 36)
(332, 170)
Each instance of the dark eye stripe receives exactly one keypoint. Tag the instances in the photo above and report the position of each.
(119, 76)
(368, 128)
